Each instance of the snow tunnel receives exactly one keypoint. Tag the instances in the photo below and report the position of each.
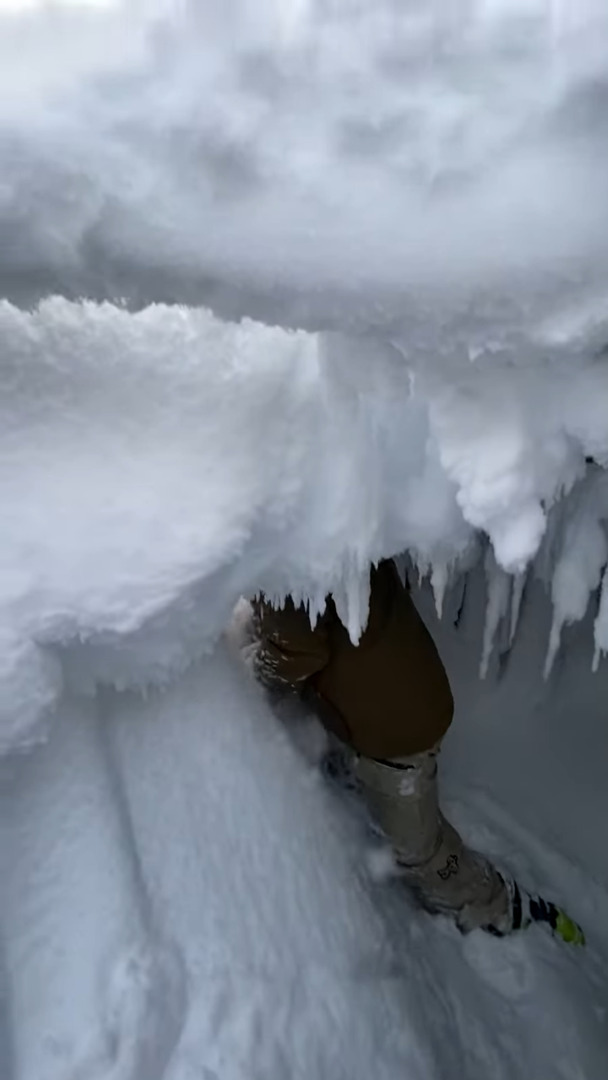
(289, 288)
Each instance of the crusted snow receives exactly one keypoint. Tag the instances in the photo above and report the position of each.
(184, 897)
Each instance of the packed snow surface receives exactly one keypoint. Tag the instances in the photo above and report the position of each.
(289, 287)
(184, 898)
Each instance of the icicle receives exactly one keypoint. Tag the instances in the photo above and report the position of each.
(402, 562)
(420, 566)
(555, 640)
(352, 599)
(439, 584)
(578, 570)
(601, 624)
(316, 607)
(499, 593)
(454, 602)
(519, 584)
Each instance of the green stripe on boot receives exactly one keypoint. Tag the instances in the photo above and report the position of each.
(560, 923)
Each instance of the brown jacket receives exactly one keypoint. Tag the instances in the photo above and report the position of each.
(389, 696)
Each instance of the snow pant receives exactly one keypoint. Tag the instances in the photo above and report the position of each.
(388, 699)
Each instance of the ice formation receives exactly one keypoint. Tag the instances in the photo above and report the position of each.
(420, 191)
(155, 466)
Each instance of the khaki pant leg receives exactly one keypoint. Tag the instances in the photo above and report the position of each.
(443, 872)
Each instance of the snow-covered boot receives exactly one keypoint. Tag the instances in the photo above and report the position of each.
(443, 872)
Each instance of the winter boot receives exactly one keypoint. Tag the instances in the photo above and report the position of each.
(528, 909)
(445, 875)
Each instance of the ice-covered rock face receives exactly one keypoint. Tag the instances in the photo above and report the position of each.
(426, 181)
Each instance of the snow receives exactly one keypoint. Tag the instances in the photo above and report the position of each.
(390, 164)
(260, 458)
(288, 288)
(187, 898)
(154, 467)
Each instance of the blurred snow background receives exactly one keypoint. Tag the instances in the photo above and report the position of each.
(289, 287)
